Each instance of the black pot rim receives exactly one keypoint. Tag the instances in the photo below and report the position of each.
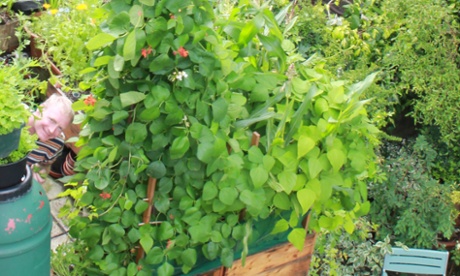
(13, 173)
(15, 191)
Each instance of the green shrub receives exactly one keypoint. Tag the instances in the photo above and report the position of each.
(341, 253)
(418, 59)
(409, 205)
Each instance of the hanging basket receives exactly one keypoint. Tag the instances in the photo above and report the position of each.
(9, 142)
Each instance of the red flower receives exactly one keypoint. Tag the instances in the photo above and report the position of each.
(182, 52)
(90, 100)
(105, 195)
(145, 52)
(171, 16)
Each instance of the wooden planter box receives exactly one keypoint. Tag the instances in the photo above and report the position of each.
(283, 259)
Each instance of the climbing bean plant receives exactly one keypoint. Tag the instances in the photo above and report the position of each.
(181, 90)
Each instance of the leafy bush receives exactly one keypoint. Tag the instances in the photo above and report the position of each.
(410, 205)
(418, 59)
(352, 46)
(341, 253)
(15, 86)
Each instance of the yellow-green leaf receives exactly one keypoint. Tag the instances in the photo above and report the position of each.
(287, 180)
(337, 158)
(306, 198)
(314, 167)
(259, 176)
(280, 226)
(349, 226)
(146, 243)
(304, 146)
(99, 41)
(297, 237)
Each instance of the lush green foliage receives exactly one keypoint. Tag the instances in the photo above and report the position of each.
(26, 144)
(418, 58)
(416, 206)
(410, 53)
(15, 86)
(62, 29)
(424, 60)
(65, 260)
(352, 47)
(183, 92)
(446, 167)
(151, 120)
(339, 253)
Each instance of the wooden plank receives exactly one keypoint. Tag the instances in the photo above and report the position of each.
(294, 268)
(217, 272)
(279, 258)
(283, 259)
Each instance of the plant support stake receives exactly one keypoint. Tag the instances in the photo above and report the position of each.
(148, 212)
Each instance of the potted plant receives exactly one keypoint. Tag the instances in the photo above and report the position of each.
(182, 96)
(13, 166)
(8, 25)
(15, 140)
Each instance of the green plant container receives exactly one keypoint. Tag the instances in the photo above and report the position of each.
(9, 142)
(25, 229)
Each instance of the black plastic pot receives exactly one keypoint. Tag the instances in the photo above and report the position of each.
(13, 173)
(27, 6)
(18, 189)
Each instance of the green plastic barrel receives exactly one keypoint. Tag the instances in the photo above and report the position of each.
(25, 233)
